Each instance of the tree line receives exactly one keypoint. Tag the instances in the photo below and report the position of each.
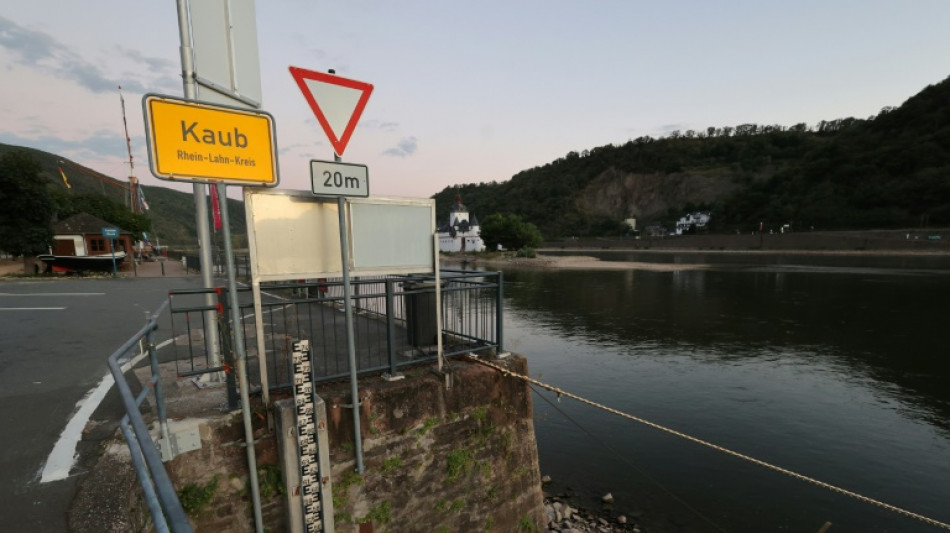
(28, 207)
(885, 171)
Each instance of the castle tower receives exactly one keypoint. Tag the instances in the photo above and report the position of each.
(458, 213)
(462, 233)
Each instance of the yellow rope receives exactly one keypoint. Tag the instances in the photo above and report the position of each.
(785, 471)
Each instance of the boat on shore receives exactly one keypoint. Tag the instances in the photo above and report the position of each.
(79, 263)
(80, 244)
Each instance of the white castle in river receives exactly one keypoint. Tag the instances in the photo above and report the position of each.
(460, 234)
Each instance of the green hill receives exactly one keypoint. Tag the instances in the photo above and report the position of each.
(887, 171)
(172, 212)
(173, 217)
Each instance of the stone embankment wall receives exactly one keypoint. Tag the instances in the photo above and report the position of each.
(213, 481)
(462, 458)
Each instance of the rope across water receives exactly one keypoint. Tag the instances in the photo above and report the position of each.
(796, 475)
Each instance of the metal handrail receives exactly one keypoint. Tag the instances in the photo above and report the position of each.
(455, 282)
(161, 498)
(475, 323)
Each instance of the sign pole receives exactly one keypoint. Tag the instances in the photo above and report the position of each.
(350, 341)
(240, 357)
(240, 138)
(109, 232)
(338, 93)
(112, 247)
(200, 196)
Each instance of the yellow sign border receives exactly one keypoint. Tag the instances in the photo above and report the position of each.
(207, 143)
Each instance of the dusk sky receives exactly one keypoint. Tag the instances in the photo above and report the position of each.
(474, 91)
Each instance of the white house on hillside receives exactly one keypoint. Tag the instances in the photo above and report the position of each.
(461, 234)
(697, 220)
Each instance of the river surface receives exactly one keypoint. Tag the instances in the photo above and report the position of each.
(833, 368)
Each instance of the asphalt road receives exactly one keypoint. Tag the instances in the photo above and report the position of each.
(55, 337)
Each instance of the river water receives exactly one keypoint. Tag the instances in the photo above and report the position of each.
(836, 368)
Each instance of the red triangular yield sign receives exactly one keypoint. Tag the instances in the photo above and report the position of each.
(337, 102)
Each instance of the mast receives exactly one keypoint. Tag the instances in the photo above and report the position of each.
(133, 186)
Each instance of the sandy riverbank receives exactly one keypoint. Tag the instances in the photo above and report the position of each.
(575, 262)
(9, 266)
(587, 262)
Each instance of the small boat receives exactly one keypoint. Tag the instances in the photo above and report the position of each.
(80, 246)
(80, 263)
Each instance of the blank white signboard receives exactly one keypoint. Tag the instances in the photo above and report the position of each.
(392, 235)
(292, 236)
(224, 40)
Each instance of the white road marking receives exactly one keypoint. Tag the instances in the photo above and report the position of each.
(63, 456)
(32, 308)
(51, 293)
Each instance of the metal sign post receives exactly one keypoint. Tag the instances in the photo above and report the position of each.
(111, 233)
(361, 188)
(198, 190)
(241, 356)
(341, 102)
(217, 146)
(350, 340)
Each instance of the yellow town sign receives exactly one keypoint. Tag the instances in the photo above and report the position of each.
(193, 141)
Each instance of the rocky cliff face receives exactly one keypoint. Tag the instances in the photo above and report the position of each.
(623, 195)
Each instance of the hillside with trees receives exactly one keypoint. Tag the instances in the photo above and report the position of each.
(25, 206)
(170, 219)
(891, 170)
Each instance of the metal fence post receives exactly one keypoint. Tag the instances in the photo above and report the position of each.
(168, 499)
(391, 332)
(499, 306)
(226, 351)
(141, 471)
(159, 390)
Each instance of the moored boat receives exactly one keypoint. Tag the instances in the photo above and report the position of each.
(80, 263)
(79, 246)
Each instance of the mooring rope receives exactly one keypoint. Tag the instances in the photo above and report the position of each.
(796, 475)
(629, 463)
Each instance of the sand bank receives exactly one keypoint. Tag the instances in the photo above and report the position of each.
(577, 262)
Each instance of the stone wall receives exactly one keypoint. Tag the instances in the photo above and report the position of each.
(212, 480)
(436, 459)
(215, 477)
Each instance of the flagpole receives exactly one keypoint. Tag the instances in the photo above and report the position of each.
(133, 199)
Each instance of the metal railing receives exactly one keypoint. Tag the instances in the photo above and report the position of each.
(188, 310)
(160, 496)
(394, 323)
(242, 264)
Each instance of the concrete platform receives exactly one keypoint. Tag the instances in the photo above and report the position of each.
(160, 267)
